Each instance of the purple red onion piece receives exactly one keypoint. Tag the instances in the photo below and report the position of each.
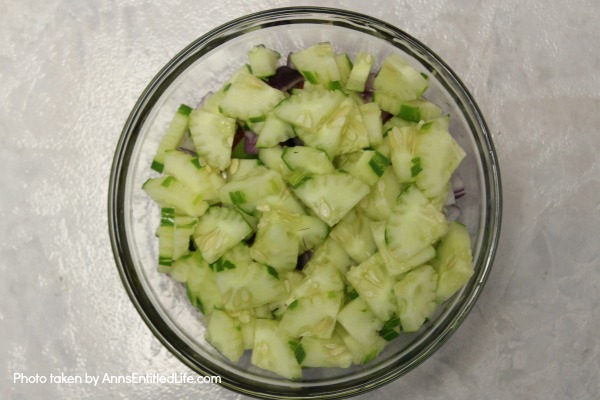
(250, 139)
(458, 187)
(285, 79)
(385, 116)
(303, 259)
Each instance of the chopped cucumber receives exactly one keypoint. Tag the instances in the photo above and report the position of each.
(271, 158)
(360, 72)
(175, 133)
(418, 110)
(360, 331)
(201, 284)
(308, 159)
(374, 286)
(366, 165)
(249, 98)
(325, 239)
(245, 284)
(263, 61)
(330, 352)
(188, 169)
(313, 316)
(272, 350)
(273, 132)
(169, 192)
(378, 204)
(454, 261)
(212, 135)
(331, 196)
(344, 65)
(439, 156)
(225, 333)
(371, 115)
(317, 63)
(415, 295)
(398, 79)
(414, 225)
(330, 253)
(406, 163)
(307, 109)
(218, 231)
(354, 235)
(166, 238)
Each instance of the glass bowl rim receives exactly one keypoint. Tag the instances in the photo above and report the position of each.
(118, 179)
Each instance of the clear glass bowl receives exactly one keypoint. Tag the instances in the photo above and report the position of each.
(203, 66)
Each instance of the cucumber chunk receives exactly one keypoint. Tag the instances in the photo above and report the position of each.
(317, 63)
(307, 159)
(398, 79)
(454, 261)
(308, 109)
(331, 196)
(263, 61)
(272, 350)
(415, 296)
(374, 286)
(201, 284)
(188, 169)
(225, 333)
(249, 98)
(414, 225)
(331, 352)
(245, 284)
(175, 132)
(378, 204)
(360, 72)
(312, 316)
(403, 143)
(360, 331)
(212, 135)
(169, 192)
(366, 165)
(218, 231)
(273, 132)
(354, 235)
(439, 156)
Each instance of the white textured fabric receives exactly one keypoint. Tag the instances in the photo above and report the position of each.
(70, 72)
